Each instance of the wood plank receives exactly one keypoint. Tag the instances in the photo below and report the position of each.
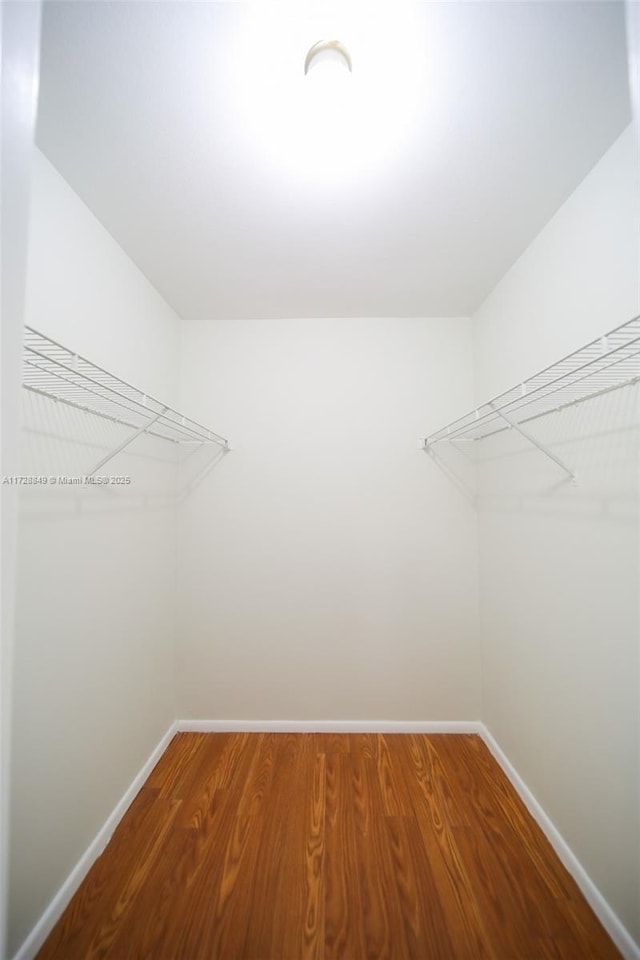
(343, 928)
(169, 918)
(364, 744)
(224, 928)
(385, 935)
(258, 783)
(394, 802)
(146, 931)
(214, 831)
(278, 896)
(177, 764)
(217, 765)
(313, 933)
(444, 778)
(504, 921)
(328, 743)
(424, 917)
(465, 921)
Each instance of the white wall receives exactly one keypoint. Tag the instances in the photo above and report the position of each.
(95, 612)
(633, 48)
(578, 279)
(20, 33)
(327, 569)
(558, 563)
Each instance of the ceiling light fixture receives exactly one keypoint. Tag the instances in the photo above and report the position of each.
(327, 51)
(334, 94)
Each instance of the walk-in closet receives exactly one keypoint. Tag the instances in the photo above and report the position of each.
(320, 499)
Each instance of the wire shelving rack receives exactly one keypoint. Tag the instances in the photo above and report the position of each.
(54, 371)
(608, 363)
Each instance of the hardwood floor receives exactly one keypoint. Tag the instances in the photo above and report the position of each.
(285, 847)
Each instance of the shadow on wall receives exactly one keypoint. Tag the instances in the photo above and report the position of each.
(458, 463)
(196, 463)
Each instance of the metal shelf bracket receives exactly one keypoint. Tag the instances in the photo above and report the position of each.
(536, 443)
(125, 443)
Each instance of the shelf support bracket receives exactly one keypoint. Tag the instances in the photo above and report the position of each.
(540, 446)
(129, 439)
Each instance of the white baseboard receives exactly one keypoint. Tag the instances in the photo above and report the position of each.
(328, 726)
(55, 909)
(614, 927)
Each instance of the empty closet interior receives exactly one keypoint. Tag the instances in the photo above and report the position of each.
(330, 409)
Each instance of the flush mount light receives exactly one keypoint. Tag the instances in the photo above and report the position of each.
(326, 51)
(338, 113)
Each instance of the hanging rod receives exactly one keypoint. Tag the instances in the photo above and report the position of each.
(608, 363)
(54, 371)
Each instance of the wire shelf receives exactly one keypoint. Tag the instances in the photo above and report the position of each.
(605, 364)
(54, 371)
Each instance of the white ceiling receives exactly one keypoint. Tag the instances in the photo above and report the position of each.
(189, 129)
